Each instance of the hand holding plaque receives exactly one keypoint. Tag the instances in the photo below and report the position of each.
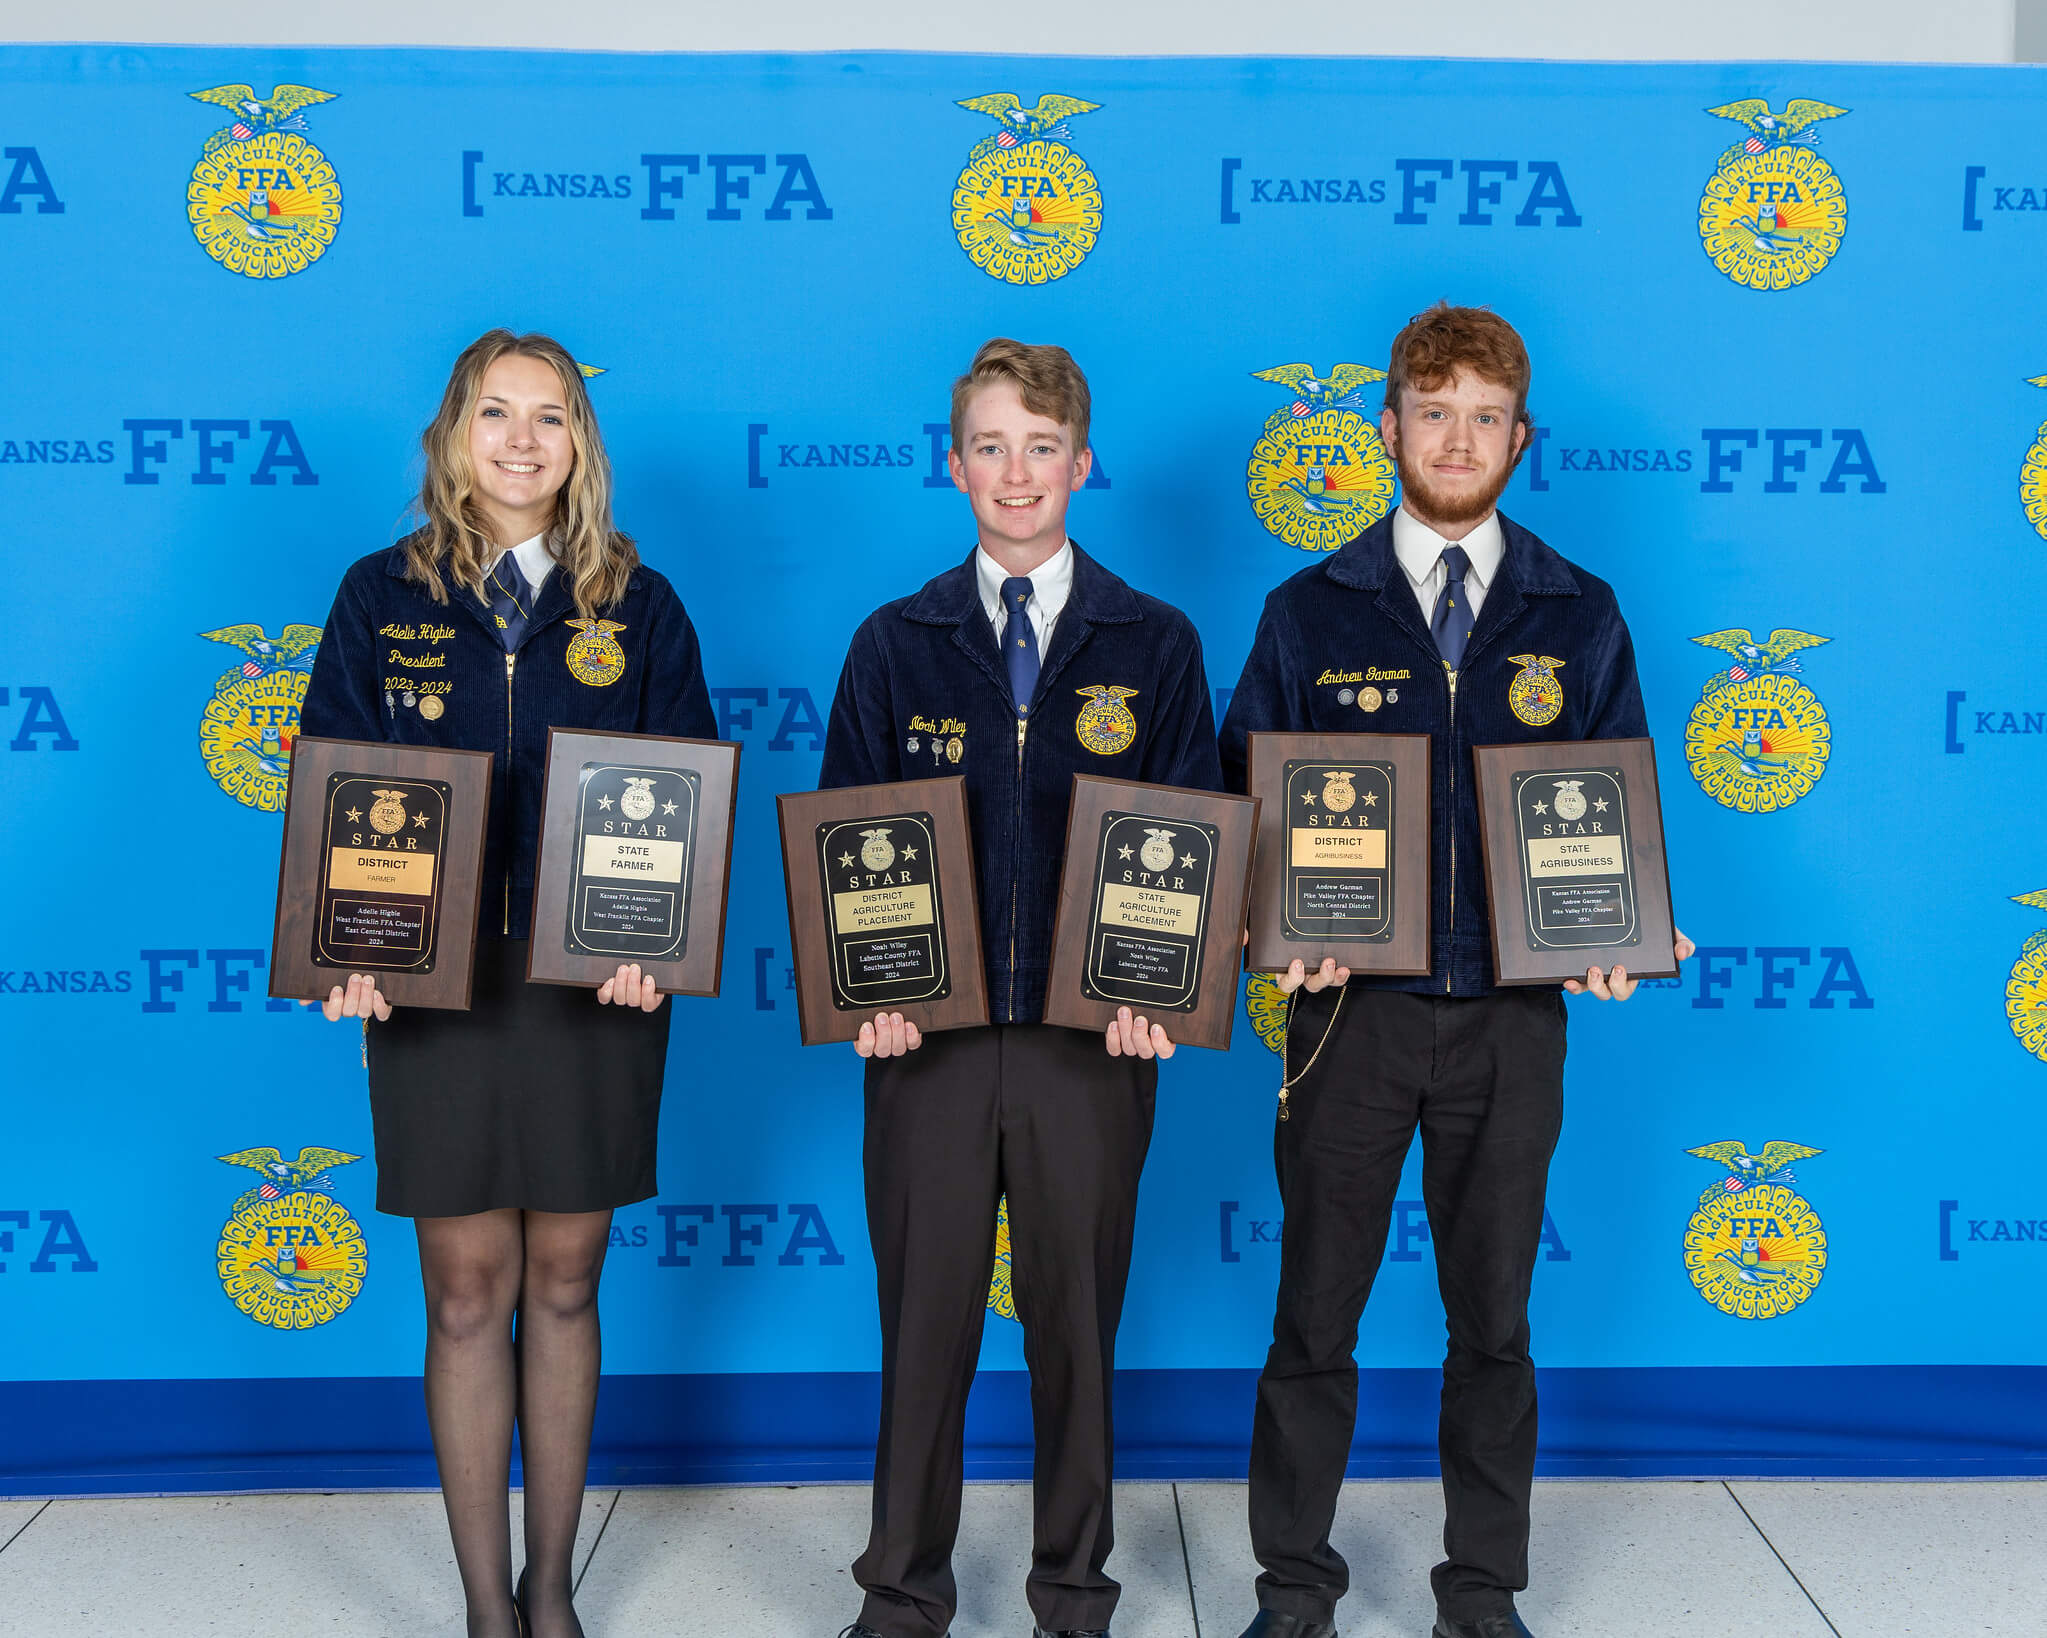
(1575, 867)
(381, 872)
(1151, 909)
(882, 907)
(1343, 852)
(635, 853)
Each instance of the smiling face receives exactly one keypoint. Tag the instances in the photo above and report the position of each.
(1018, 470)
(519, 446)
(1456, 445)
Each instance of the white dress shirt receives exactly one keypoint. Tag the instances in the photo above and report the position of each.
(533, 560)
(1420, 550)
(1051, 584)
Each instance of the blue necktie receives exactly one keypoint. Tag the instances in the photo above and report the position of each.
(1020, 642)
(1452, 625)
(505, 584)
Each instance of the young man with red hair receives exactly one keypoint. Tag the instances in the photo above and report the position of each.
(1448, 591)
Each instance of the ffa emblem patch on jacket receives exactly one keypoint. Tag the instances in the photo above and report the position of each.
(594, 655)
(1534, 694)
(1106, 725)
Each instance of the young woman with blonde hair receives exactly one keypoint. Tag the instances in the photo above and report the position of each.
(511, 1131)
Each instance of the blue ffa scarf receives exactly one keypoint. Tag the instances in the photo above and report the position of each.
(1451, 626)
(1020, 642)
(503, 586)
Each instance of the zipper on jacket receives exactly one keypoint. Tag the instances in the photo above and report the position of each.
(1022, 728)
(1451, 963)
(511, 660)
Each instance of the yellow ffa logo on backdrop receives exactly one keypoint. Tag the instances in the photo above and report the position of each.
(1773, 211)
(1027, 209)
(1001, 1294)
(1265, 1004)
(1754, 1248)
(2025, 993)
(2033, 474)
(290, 1255)
(263, 200)
(247, 729)
(1758, 739)
(1105, 724)
(1318, 475)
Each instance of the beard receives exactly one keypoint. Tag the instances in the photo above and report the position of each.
(1431, 503)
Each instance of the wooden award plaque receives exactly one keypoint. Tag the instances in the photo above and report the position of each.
(1152, 899)
(635, 853)
(883, 913)
(1343, 852)
(381, 871)
(1575, 870)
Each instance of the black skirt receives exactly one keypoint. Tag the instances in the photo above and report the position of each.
(537, 1097)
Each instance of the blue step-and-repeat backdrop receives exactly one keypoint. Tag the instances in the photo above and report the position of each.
(1789, 360)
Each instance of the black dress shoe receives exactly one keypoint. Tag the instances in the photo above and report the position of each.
(1509, 1625)
(856, 1630)
(1278, 1624)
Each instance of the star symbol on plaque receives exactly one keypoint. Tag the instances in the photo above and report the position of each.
(1123, 853)
(355, 816)
(419, 821)
(1307, 799)
(1186, 861)
(845, 859)
(909, 853)
(604, 802)
(1599, 805)
(1540, 807)
(668, 807)
(1371, 798)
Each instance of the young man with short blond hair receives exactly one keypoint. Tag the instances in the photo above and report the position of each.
(1019, 645)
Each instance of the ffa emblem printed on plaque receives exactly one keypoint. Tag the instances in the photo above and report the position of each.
(594, 655)
(290, 1255)
(1318, 475)
(247, 728)
(1758, 739)
(1027, 209)
(636, 829)
(1105, 724)
(262, 199)
(1773, 212)
(883, 915)
(2033, 473)
(1533, 693)
(2025, 993)
(1754, 1248)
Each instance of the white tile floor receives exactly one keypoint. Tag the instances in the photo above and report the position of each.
(1610, 1560)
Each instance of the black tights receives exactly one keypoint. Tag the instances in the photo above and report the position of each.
(484, 1372)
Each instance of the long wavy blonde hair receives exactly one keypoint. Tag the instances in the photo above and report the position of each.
(453, 540)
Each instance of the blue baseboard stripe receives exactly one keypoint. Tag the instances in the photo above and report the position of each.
(369, 1433)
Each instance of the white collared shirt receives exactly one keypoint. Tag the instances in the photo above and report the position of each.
(1420, 550)
(1051, 584)
(534, 561)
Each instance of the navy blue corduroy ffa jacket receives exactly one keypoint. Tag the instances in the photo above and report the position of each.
(926, 668)
(389, 648)
(1351, 625)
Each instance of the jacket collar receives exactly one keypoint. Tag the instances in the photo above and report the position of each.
(1368, 563)
(954, 598)
(555, 598)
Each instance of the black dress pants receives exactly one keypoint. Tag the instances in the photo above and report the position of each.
(1482, 1079)
(1046, 1116)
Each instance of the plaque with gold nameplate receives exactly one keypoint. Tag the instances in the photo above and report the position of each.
(882, 907)
(1152, 899)
(381, 871)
